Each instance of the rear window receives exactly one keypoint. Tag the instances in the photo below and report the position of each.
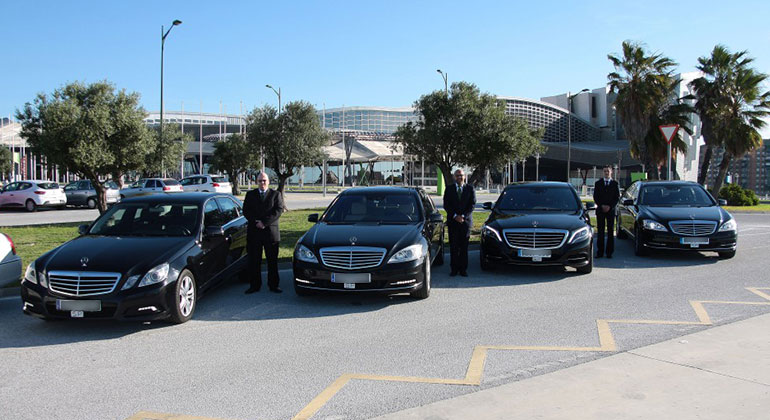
(219, 179)
(48, 185)
(170, 182)
(111, 185)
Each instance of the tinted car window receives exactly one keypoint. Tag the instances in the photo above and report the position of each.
(84, 185)
(24, 186)
(170, 182)
(145, 219)
(11, 187)
(186, 181)
(675, 196)
(383, 208)
(218, 179)
(427, 203)
(230, 210)
(150, 183)
(538, 198)
(71, 186)
(212, 216)
(48, 185)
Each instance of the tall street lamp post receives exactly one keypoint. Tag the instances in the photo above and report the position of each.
(445, 77)
(163, 36)
(569, 128)
(278, 93)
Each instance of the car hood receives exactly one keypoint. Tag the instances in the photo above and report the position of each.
(569, 221)
(714, 213)
(382, 236)
(127, 255)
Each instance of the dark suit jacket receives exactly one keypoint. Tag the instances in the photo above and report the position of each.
(463, 205)
(268, 211)
(606, 195)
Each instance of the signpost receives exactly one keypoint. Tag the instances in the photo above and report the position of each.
(669, 131)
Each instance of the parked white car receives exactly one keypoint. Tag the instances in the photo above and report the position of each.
(32, 194)
(207, 183)
(10, 263)
(147, 186)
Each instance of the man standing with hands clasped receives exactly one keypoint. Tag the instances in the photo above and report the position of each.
(606, 196)
(262, 207)
(459, 201)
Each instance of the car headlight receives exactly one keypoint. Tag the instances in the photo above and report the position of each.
(30, 275)
(130, 282)
(410, 253)
(489, 231)
(580, 234)
(304, 253)
(156, 275)
(653, 225)
(728, 226)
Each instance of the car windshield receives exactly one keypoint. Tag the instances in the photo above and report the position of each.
(373, 208)
(48, 185)
(675, 196)
(218, 179)
(148, 219)
(538, 198)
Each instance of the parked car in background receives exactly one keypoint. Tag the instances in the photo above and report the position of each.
(372, 239)
(675, 215)
(82, 193)
(146, 186)
(10, 263)
(32, 195)
(146, 258)
(538, 223)
(207, 183)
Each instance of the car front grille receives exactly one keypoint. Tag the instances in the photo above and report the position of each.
(693, 227)
(82, 283)
(352, 257)
(535, 238)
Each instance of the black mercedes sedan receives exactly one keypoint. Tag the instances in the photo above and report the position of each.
(538, 223)
(373, 239)
(145, 258)
(676, 215)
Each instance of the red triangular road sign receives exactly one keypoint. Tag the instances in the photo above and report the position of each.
(669, 131)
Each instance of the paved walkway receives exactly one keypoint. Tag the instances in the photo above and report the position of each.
(719, 373)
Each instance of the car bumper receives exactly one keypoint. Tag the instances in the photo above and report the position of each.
(386, 278)
(56, 202)
(572, 255)
(130, 305)
(720, 241)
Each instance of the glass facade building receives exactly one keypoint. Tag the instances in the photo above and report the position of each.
(372, 119)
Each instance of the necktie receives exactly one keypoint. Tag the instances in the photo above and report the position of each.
(606, 183)
(459, 192)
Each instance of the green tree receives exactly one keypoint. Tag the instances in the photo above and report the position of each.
(5, 162)
(465, 127)
(93, 130)
(657, 147)
(287, 140)
(644, 84)
(167, 155)
(234, 156)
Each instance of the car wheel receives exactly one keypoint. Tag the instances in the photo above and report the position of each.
(30, 206)
(620, 233)
(639, 248)
(588, 268)
(424, 291)
(439, 260)
(185, 298)
(91, 203)
(726, 255)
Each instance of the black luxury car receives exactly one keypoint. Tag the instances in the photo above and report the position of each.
(374, 239)
(676, 215)
(538, 223)
(144, 259)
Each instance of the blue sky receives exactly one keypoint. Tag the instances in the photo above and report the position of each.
(339, 53)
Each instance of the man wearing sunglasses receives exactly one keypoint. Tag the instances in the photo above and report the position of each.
(459, 201)
(262, 207)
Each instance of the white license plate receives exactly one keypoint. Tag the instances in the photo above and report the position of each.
(537, 255)
(351, 278)
(350, 285)
(79, 305)
(76, 314)
(694, 242)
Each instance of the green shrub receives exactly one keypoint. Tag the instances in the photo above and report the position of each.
(737, 196)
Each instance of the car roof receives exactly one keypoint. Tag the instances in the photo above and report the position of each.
(191, 197)
(37, 181)
(538, 183)
(661, 182)
(379, 190)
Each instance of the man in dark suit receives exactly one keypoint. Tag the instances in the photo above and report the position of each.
(262, 207)
(459, 201)
(606, 196)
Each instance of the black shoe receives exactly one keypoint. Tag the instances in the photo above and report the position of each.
(276, 290)
(609, 256)
(251, 290)
(452, 273)
(464, 273)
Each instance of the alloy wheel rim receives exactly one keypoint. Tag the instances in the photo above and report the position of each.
(186, 296)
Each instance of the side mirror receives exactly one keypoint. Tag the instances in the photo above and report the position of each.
(83, 229)
(435, 218)
(487, 205)
(213, 231)
(590, 205)
(722, 202)
(312, 218)
(628, 202)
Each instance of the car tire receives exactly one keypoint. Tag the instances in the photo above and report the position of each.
(588, 268)
(639, 248)
(424, 291)
(620, 233)
(30, 205)
(726, 255)
(91, 203)
(439, 260)
(184, 299)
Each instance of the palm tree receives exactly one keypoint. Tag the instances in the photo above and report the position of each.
(644, 84)
(743, 112)
(713, 91)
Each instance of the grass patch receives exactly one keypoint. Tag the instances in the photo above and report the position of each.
(761, 208)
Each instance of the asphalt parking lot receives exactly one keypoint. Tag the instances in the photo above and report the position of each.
(273, 356)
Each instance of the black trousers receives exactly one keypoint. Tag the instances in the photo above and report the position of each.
(254, 249)
(458, 246)
(608, 219)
